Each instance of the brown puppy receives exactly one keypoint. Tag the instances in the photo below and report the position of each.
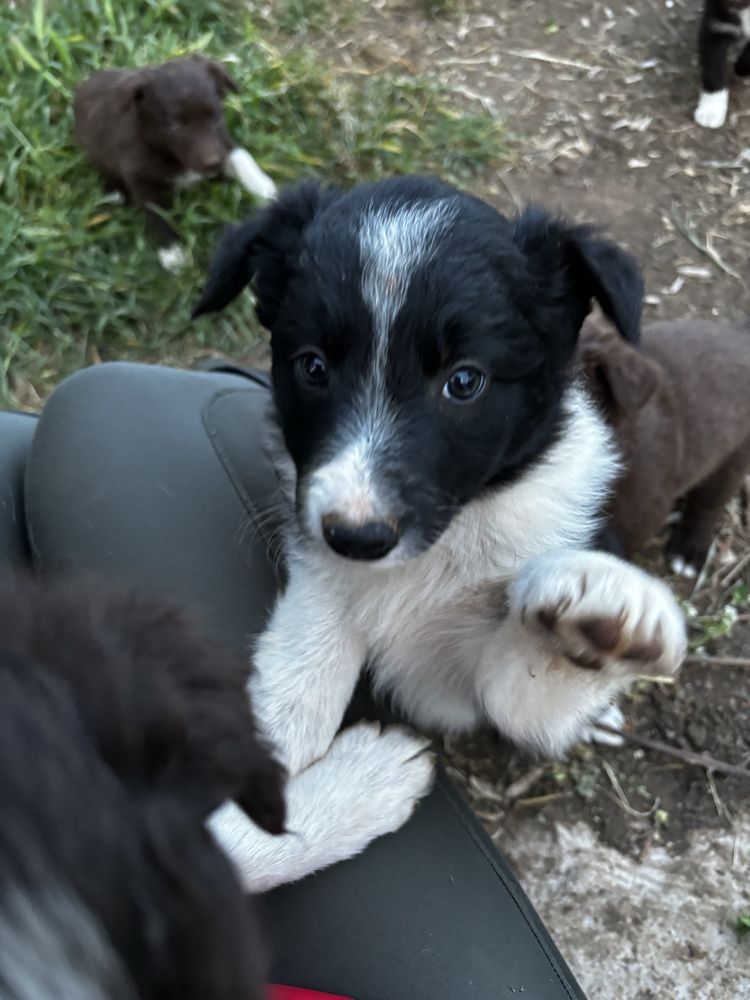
(149, 130)
(680, 408)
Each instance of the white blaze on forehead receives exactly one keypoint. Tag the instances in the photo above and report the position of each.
(393, 242)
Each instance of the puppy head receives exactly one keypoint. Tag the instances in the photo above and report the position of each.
(180, 111)
(620, 378)
(421, 344)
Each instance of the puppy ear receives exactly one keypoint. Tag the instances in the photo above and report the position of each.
(263, 250)
(621, 376)
(604, 271)
(133, 88)
(222, 79)
(577, 264)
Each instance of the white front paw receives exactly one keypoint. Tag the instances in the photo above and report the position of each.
(601, 613)
(173, 258)
(370, 780)
(712, 109)
(241, 165)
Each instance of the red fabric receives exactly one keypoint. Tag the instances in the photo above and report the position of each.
(293, 993)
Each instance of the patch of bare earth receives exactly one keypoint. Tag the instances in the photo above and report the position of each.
(637, 858)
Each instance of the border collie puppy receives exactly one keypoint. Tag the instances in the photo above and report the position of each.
(445, 471)
(723, 23)
(152, 129)
(121, 730)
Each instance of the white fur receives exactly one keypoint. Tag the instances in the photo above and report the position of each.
(712, 109)
(241, 166)
(51, 946)
(173, 258)
(188, 179)
(680, 568)
(611, 716)
(745, 21)
(367, 785)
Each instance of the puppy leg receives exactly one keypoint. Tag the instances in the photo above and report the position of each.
(367, 785)
(714, 41)
(307, 663)
(149, 197)
(581, 626)
(692, 536)
(241, 166)
(742, 66)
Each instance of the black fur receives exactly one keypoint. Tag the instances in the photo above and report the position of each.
(120, 729)
(509, 295)
(720, 29)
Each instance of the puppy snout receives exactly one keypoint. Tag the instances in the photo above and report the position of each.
(364, 540)
(213, 163)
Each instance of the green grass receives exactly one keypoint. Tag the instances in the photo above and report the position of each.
(79, 279)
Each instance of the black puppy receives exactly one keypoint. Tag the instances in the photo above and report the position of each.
(723, 23)
(151, 129)
(120, 730)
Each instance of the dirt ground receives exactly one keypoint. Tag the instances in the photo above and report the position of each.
(637, 860)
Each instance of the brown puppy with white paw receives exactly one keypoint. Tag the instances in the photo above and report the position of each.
(152, 129)
(680, 407)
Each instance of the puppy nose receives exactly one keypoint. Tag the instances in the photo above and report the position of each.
(368, 540)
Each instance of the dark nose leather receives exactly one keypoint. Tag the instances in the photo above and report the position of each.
(371, 540)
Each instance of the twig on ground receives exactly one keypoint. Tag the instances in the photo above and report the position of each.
(686, 756)
(524, 784)
(540, 800)
(622, 798)
(554, 60)
(718, 661)
(721, 808)
(705, 248)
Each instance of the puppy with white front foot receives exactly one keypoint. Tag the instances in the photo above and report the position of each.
(444, 470)
(723, 24)
(153, 129)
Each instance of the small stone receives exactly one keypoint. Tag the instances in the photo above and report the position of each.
(697, 734)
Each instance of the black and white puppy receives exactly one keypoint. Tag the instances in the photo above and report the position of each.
(445, 469)
(724, 22)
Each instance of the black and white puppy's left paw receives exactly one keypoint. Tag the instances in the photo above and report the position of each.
(712, 108)
(601, 614)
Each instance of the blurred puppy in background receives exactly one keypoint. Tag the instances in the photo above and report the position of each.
(724, 23)
(680, 409)
(153, 129)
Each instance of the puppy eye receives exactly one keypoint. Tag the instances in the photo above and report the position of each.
(311, 369)
(465, 385)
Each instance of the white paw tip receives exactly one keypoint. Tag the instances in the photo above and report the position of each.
(241, 165)
(113, 198)
(611, 716)
(712, 109)
(173, 258)
(680, 568)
